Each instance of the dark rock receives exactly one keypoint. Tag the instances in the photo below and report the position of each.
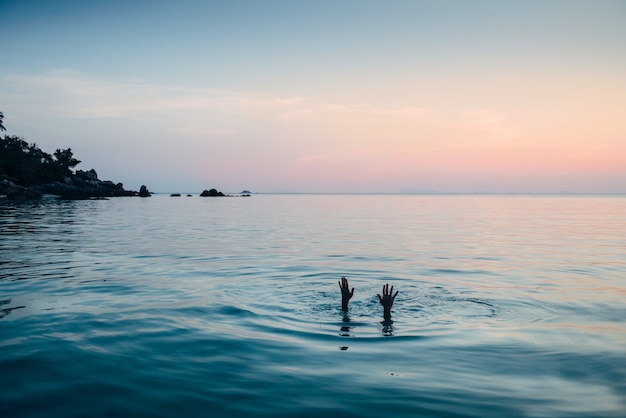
(211, 193)
(144, 192)
(90, 175)
(16, 192)
(80, 188)
(85, 185)
(175, 195)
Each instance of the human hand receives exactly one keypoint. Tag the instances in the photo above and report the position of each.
(387, 299)
(346, 293)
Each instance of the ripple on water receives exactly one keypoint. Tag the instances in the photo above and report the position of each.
(146, 308)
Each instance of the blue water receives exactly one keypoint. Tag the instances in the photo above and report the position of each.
(508, 306)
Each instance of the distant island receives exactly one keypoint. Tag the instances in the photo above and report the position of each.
(216, 193)
(27, 172)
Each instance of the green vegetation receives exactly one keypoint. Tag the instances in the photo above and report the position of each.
(27, 172)
(29, 165)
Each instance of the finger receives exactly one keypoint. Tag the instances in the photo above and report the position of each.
(391, 291)
(379, 298)
(352, 293)
(394, 296)
(339, 283)
(384, 290)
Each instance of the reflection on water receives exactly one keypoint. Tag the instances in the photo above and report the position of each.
(7, 310)
(346, 330)
(387, 327)
(508, 306)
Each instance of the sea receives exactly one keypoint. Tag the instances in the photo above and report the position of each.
(508, 306)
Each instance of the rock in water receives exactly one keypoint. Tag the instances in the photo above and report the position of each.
(144, 192)
(212, 192)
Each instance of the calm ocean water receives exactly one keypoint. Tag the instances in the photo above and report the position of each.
(508, 306)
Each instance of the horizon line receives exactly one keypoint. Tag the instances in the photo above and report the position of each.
(408, 193)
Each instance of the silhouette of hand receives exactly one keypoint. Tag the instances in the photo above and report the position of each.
(346, 293)
(387, 300)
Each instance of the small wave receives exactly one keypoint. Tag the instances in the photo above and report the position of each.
(6, 311)
(460, 272)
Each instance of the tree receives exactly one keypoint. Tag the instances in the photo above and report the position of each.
(23, 162)
(65, 160)
(2, 128)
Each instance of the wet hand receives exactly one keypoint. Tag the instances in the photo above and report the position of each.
(387, 299)
(346, 293)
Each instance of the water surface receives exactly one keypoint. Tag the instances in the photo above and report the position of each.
(508, 306)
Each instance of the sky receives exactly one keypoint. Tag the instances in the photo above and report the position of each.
(324, 96)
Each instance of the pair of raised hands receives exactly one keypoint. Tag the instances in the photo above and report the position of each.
(386, 299)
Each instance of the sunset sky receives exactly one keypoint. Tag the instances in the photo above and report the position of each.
(324, 96)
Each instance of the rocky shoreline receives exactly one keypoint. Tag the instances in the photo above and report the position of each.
(82, 185)
(79, 185)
